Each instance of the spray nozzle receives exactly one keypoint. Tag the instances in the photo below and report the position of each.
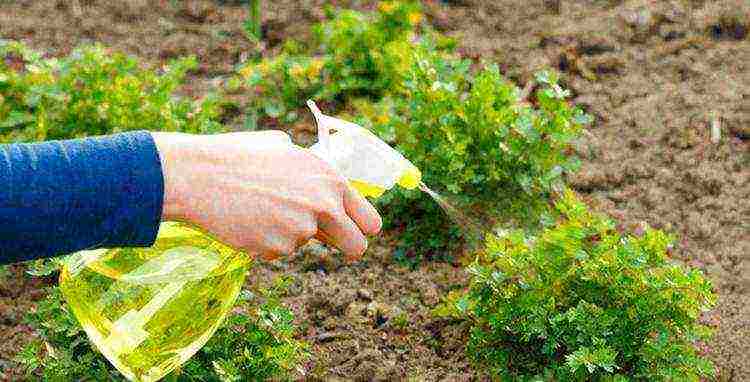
(323, 129)
(371, 165)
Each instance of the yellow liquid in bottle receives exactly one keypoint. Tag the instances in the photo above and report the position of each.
(410, 178)
(148, 310)
(367, 189)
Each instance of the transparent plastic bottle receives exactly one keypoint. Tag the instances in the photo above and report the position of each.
(148, 310)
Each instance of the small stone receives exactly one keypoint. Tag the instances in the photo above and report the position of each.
(638, 18)
(328, 336)
(364, 294)
(374, 308)
(741, 128)
(316, 249)
(430, 296)
(715, 130)
(356, 312)
(395, 311)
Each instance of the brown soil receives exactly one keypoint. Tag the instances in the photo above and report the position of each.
(655, 74)
(154, 32)
(372, 320)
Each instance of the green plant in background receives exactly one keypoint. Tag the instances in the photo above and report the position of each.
(279, 84)
(368, 54)
(92, 92)
(352, 55)
(255, 343)
(583, 302)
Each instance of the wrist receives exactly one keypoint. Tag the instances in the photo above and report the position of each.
(173, 153)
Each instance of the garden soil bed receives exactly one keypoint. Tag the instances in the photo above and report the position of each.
(657, 75)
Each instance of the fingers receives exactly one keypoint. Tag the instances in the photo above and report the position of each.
(323, 237)
(277, 245)
(282, 250)
(284, 240)
(339, 230)
(346, 228)
(362, 212)
(271, 256)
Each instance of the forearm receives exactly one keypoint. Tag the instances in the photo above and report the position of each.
(63, 196)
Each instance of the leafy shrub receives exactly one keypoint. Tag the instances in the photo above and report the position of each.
(472, 136)
(581, 302)
(368, 54)
(280, 85)
(352, 55)
(255, 343)
(93, 92)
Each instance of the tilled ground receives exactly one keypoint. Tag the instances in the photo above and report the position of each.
(657, 75)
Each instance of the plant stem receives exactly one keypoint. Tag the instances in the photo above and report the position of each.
(255, 18)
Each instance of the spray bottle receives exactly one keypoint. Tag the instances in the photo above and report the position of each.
(148, 310)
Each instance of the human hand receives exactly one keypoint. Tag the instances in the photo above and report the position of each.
(260, 193)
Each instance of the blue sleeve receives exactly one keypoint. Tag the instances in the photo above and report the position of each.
(59, 197)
